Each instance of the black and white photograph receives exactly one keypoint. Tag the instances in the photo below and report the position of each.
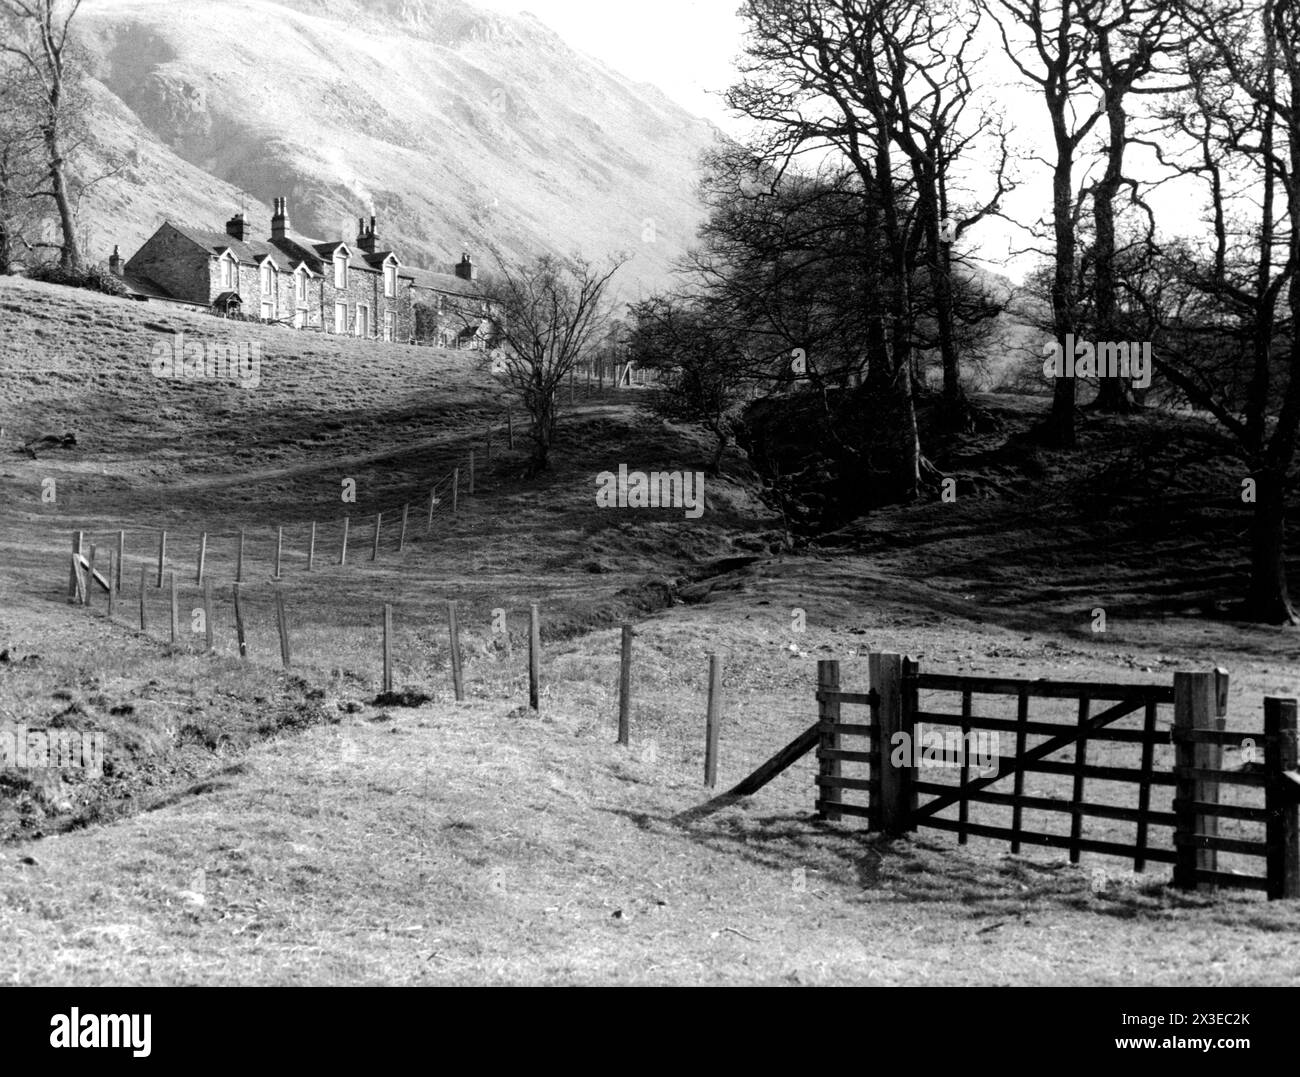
(711, 493)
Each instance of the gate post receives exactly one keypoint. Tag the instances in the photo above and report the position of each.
(1195, 704)
(1280, 792)
(896, 735)
(828, 714)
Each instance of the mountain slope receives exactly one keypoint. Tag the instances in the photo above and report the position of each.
(459, 129)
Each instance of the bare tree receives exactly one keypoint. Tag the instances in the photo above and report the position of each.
(1131, 38)
(703, 373)
(36, 33)
(550, 312)
(21, 170)
(1051, 45)
(1238, 355)
(882, 84)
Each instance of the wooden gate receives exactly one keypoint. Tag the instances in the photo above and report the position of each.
(901, 761)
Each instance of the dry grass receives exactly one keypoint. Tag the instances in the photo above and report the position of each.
(258, 826)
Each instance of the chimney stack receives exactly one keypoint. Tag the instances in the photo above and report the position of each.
(366, 238)
(115, 262)
(466, 270)
(237, 227)
(280, 219)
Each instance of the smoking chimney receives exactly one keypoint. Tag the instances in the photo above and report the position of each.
(466, 270)
(237, 227)
(366, 238)
(280, 219)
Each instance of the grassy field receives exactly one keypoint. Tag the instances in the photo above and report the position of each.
(257, 825)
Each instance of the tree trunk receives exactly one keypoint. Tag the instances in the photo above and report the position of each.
(1268, 598)
(1113, 394)
(70, 252)
(1060, 426)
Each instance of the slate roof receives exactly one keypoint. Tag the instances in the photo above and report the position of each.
(441, 282)
(293, 249)
(138, 286)
(247, 250)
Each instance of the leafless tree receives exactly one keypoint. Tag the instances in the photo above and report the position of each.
(551, 311)
(37, 34)
(883, 85)
(1242, 118)
(21, 169)
(1050, 43)
(1132, 37)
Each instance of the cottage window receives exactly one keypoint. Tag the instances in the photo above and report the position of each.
(266, 278)
(302, 287)
(340, 271)
(227, 273)
(390, 281)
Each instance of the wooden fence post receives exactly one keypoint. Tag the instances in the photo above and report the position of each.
(282, 623)
(828, 716)
(112, 582)
(121, 556)
(1282, 834)
(433, 500)
(401, 538)
(712, 719)
(239, 624)
(311, 548)
(886, 673)
(207, 613)
(78, 538)
(78, 581)
(203, 554)
(343, 553)
(279, 549)
(374, 549)
(453, 632)
(455, 490)
(239, 561)
(90, 574)
(176, 613)
(1195, 702)
(388, 648)
(144, 617)
(534, 657)
(625, 685)
(162, 554)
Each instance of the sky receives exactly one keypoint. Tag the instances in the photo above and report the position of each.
(685, 47)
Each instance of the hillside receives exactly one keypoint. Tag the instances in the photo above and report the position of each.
(269, 826)
(457, 128)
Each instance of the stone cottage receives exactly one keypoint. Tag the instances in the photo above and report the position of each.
(359, 289)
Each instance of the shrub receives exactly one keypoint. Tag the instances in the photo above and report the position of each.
(97, 278)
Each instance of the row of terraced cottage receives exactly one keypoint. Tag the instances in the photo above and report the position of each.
(357, 289)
